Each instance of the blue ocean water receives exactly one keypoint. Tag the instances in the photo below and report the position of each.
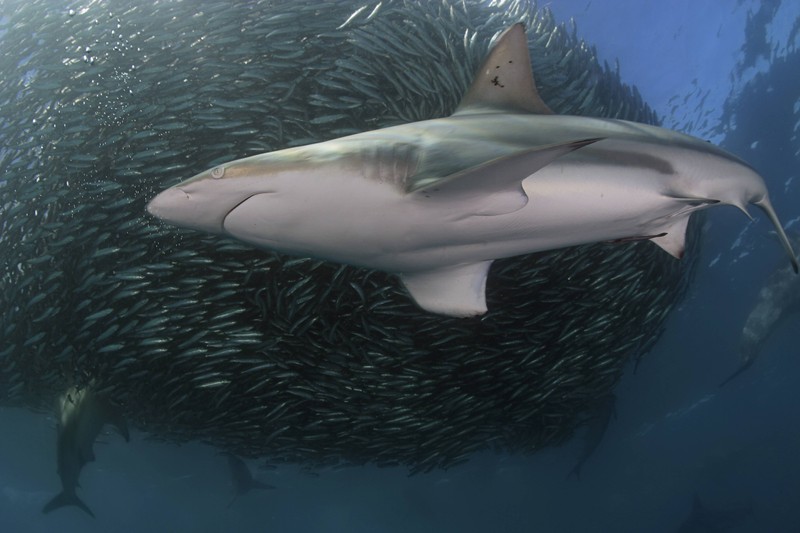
(706, 71)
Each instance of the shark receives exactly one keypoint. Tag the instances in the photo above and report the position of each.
(777, 300)
(242, 478)
(596, 426)
(435, 202)
(82, 416)
(704, 519)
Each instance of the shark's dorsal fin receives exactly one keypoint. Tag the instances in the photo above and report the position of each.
(505, 79)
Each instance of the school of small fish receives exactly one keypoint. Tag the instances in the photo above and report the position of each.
(290, 360)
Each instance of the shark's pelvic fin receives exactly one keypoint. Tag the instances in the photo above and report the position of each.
(503, 175)
(674, 240)
(505, 79)
(693, 203)
(456, 291)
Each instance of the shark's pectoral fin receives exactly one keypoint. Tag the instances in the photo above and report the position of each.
(673, 237)
(744, 366)
(495, 187)
(455, 291)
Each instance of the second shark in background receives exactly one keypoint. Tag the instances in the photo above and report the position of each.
(82, 416)
(778, 299)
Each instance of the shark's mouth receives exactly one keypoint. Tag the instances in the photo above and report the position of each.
(235, 207)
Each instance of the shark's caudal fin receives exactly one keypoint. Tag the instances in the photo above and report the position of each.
(66, 498)
(505, 79)
(766, 206)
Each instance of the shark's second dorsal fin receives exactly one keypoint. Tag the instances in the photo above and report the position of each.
(505, 79)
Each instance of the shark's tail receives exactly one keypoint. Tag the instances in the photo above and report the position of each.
(766, 206)
(66, 498)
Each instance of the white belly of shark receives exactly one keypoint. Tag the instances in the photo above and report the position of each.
(436, 201)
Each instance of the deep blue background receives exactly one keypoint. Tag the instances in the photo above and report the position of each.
(677, 433)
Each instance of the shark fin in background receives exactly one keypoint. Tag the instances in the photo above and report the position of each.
(503, 175)
(121, 425)
(63, 499)
(737, 372)
(505, 79)
(456, 291)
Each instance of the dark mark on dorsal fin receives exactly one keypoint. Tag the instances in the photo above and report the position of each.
(505, 79)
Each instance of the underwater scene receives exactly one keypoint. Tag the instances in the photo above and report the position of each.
(399, 266)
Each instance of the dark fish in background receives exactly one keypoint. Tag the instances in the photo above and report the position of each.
(82, 416)
(595, 430)
(262, 355)
(778, 299)
(242, 478)
(703, 519)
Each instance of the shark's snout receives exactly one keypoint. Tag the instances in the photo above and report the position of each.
(179, 208)
(167, 203)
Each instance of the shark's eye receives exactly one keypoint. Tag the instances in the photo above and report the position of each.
(217, 172)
